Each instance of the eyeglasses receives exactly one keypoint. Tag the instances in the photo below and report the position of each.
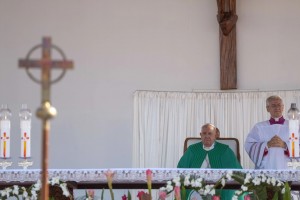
(276, 105)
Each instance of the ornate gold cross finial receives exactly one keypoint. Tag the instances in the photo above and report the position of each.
(46, 111)
(45, 64)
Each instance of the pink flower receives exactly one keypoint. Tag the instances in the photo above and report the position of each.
(177, 193)
(109, 176)
(247, 197)
(90, 194)
(149, 180)
(143, 196)
(124, 197)
(149, 177)
(140, 194)
(215, 197)
(149, 174)
(162, 195)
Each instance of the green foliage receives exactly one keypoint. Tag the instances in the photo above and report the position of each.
(102, 194)
(129, 195)
(260, 192)
(287, 195)
(183, 192)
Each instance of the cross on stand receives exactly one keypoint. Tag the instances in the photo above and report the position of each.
(46, 111)
(227, 19)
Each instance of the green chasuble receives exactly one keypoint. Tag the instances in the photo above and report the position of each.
(220, 157)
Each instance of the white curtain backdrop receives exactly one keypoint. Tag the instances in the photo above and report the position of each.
(162, 121)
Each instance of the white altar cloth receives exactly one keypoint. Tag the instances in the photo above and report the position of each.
(135, 175)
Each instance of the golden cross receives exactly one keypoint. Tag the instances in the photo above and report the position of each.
(46, 111)
(45, 63)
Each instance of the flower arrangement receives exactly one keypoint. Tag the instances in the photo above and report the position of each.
(261, 186)
(141, 194)
(180, 184)
(257, 187)
(32, 193)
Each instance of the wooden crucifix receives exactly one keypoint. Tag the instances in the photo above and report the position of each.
(227, 19)
(46, 111)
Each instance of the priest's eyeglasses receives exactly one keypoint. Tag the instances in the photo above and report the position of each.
(276, 105)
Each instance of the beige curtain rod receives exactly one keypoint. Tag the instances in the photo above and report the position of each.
(254, 90)
(220, 91)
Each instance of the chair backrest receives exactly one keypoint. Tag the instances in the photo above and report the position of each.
(233, 143)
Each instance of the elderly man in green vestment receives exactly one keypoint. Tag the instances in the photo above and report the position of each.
(210, 154)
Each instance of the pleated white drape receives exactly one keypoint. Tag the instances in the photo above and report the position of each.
(162, 121)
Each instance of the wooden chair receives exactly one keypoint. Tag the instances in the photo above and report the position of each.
(233, 143)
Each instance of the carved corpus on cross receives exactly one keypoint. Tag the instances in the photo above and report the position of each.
(227, 19)
(46, 111)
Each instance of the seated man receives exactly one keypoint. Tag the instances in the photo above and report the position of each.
(210, 154)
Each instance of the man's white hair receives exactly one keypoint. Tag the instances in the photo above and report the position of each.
(272, 98)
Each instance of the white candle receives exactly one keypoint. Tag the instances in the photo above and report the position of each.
(5, 139)
(294, 138)
(25, 138)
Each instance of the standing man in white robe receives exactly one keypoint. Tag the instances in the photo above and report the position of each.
(267, 142)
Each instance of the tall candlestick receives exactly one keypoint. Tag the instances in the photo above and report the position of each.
(293, 115)
(294, 138)
(25, 140)
(25, 125)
